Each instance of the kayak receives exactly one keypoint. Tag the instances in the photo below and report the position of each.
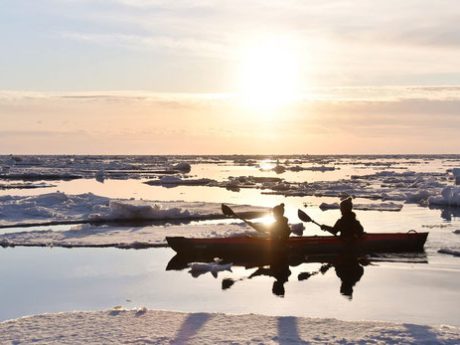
(306, 245)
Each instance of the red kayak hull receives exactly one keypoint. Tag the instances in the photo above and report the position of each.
(368, 243)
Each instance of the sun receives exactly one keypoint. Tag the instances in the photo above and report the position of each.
(269, 73)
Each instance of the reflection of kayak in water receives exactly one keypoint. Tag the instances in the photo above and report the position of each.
(348, 267)
(183, 261)
(368, 243)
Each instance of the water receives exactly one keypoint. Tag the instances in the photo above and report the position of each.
(57, 279)
(37, 280)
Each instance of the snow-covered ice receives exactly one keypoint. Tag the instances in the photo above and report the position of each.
(87, 235)
(173, 181)
(26, 185)
(450, 251)
(60, 207)
(35, 168)
(112, 222)
(450, 197)
(384, 206)
(199, 268)
(142, 326)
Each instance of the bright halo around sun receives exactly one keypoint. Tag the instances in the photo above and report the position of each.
(270, 73)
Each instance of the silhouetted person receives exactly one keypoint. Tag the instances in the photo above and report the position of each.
(280, 229)
(348, 226)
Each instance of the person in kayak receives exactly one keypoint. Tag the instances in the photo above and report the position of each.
(348, 226)
(279, 229)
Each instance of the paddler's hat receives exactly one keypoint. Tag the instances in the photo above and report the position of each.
(346, 204)
(278, 210)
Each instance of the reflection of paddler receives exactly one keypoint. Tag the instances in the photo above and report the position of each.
(350, 271)
(348, 267)
(281, 272)
(348, 226)
(278, 269)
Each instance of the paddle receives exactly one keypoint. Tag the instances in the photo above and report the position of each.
(306, 218)
(305, 275)
(230, 213)
(227, 283)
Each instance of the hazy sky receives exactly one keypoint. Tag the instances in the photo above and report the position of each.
(149, 76)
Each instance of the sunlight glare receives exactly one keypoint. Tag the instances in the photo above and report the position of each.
(270, 73)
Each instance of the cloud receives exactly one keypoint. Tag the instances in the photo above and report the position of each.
(358, 120)
(172, 45)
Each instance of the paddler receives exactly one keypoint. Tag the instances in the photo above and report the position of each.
(348, 226)
(279, 229)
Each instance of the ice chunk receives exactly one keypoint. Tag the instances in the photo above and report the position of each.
(298, 229)
(183, 166)
(173, 181)
(450, 196)
(64, 208)
(418, 197)
(450, 251)
(100, 176)
(385, 206)
(119, 210)
(199, 268)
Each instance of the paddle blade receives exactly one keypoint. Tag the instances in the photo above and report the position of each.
(227, 283)
(303, 276)
(303, 216)
(227, 211)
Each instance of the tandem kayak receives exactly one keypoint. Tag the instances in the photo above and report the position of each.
(306, 245)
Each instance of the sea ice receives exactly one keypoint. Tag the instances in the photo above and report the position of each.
(199, 268)
(122, 326)
(119, 236)
(183, 167)
(450, 251)
(450, 196)
(60, 207)
(384, 206)
(177, 181)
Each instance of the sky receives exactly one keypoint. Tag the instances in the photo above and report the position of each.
(229, 77)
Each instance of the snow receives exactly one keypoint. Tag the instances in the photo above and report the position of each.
(450, 197)
(199, 268)
(100, 176)
(138, 210)
(408, 186)
(60, 207)
(25, 185)
(113, 222)
(119, 236)
(183, 166)
(142, 326)
(177, 181)
(297, 229)
(321, 168)
(99, 167)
